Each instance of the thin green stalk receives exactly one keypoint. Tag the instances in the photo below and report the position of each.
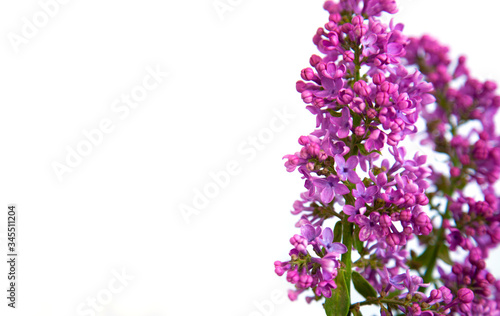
(346, 257)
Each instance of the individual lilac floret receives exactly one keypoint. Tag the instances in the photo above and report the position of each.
(343, 123)
(366, 195)
(330, 187)
(345, 169)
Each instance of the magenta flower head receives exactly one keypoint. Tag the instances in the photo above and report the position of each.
(343, 123)
(345, 169)
(367, 87)
(330, 187)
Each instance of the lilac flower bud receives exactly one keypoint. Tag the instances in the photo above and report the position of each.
(382, 99)
(475, 255)
(334, 38)
(371, 113)
(397, 125)
(345, 96)
(305, 281)
(360, 30)
(481, 264)
(408, 231)
(348, 56)
(422, 199)
(303, 140)
(307, 96)
(378, 78)
(381, 60)
(300, 86)
(447, 295)
(435, 295)
(467, 280)
(362, 88)
(490, 278)
(292, 276)
(385, 220)
(392, 140)
(405, 216)
(315, 60)
(335, 17)
(422, 219)
(464, 159)
(308, 74)
(358, 106)
(313, 149)
(489, 86)
(357, 20)
(388, 87)
(278, 268)
(360, 131)
(346, 27)
(465, 295)
(470, 231)
(310, 166)
(392, 240)
(455, 172)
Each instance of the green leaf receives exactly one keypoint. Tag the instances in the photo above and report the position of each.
(444, 255)
(338, 303)
(426, 256)
(363, 286)
(356, 313)
(337, 232)
(363, 150)
(358, 244)
(375, 151)
(356, 119)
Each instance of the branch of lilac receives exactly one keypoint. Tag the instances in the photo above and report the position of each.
(367, 90)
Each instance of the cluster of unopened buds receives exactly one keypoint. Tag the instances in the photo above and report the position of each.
(366, 198)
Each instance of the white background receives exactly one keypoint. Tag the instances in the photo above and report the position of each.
(119, 208)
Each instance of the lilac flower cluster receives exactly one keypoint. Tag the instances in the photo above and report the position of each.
(306, 271)
(367, 91)
(462, 126)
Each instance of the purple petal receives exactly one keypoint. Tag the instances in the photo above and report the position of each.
(308, 231)
(352, 162)
(341, 189)
(370, 191)
(343, 133)
(338, 248)
(364, 233)
(327, 235)
(345, 114)
(320, 183)
(327, 195)
(339, 161)
(394, 49)
(353, 176)
(349, 209)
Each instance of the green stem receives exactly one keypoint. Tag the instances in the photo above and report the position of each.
(379, 300)
(432, 264)
(346, 257)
